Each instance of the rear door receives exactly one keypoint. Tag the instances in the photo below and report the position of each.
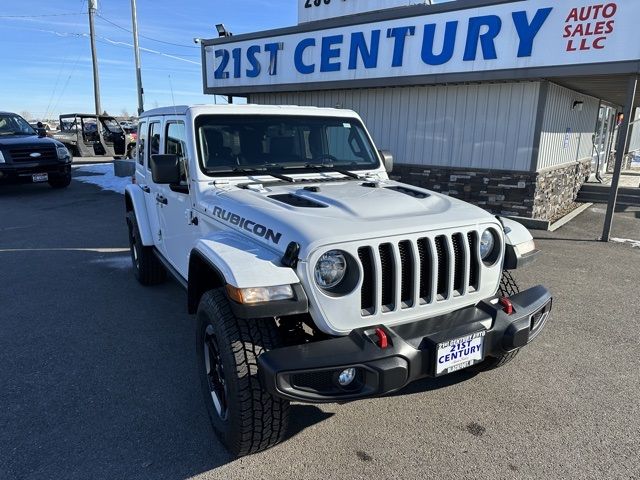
(146, 129)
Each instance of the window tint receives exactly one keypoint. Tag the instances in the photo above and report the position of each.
(175, 144)
(154, 140)
(142, 138)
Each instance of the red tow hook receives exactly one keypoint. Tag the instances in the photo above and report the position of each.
(383, 341)
(507, 306)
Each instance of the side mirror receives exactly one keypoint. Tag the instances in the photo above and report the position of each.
(387, 160)
(165, 169)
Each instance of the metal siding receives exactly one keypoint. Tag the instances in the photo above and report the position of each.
(481, 126)
(560, 116)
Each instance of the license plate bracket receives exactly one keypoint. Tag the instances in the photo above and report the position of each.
(459, 353)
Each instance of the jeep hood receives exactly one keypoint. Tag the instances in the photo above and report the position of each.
(324, 213)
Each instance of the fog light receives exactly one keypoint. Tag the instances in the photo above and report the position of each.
(346, 376)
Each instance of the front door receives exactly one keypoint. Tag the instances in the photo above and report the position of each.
(603, 139)
(179, 233)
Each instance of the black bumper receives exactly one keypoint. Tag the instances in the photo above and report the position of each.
(309, 372)
(23, 172)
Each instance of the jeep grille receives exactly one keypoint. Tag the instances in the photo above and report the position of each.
(407, 273)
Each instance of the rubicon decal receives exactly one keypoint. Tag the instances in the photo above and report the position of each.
(248, 225)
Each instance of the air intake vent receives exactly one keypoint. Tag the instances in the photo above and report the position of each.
(296, 201)
(408, 191)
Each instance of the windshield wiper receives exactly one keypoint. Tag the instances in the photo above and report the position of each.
(258, 171)
(327, 167)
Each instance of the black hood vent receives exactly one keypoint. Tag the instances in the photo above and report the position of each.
(296, 201)
(409, 191)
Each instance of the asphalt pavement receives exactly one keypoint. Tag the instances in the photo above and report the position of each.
(98, 379)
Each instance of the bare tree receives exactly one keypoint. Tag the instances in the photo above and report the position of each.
(26, 115)
(124, 113)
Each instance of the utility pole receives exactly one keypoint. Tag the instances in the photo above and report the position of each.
(93, 6)
(136, 52)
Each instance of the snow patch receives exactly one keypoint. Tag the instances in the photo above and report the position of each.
(102, 176)
(633, 243)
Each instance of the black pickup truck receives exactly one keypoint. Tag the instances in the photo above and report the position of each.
(28, 156)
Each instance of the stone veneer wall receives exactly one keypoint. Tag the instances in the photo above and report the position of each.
(557, 188)
(539, 195)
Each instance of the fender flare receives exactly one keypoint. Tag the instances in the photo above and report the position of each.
(242, 262)
(231, 258)
(516, 234)
(134, 200)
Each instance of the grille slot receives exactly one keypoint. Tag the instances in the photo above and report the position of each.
(23, 154)
(459, 258)
(387, 265)
(409, 273)
(474, 264)
(442, 253)
(424, 252)
(407, 265)
(367, 292)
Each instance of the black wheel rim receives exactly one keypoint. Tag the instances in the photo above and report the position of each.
(134, 249)
(215, 373)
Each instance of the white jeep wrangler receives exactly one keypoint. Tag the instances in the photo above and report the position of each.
(313, 276)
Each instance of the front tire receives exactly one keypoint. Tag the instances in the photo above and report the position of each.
(508, 287)
(147, 269)
(245, 417)
(60, 181)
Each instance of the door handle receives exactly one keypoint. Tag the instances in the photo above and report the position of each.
(145, 189)
(161, 199)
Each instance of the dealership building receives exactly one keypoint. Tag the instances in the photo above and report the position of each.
(511, 105)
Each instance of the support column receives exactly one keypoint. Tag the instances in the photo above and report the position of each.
(623, 142)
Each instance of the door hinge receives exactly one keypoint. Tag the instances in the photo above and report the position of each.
(192, 219)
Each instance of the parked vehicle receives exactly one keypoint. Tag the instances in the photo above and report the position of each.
(87, 135)
(27, 157)
(132, 138)
(313, 276)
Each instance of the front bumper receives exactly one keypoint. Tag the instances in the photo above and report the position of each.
(23, 172)
(309, 372)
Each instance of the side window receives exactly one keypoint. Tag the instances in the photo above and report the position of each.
(142, 139)
(175, 144)
(154, 140)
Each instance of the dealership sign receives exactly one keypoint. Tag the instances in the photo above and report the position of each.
(314, 10)
(516, 35)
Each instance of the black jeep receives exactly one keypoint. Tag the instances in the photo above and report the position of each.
(28, 156)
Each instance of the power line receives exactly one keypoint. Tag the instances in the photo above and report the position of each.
(44, 15)
(144, 36)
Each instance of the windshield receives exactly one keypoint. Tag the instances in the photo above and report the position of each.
(237, 144)
(11, 124)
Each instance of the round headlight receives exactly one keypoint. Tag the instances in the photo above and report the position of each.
(330, 269)
(487, 244)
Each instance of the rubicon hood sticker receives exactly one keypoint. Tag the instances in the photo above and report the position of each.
(248, 225)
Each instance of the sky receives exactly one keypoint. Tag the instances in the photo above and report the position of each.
(46, 54)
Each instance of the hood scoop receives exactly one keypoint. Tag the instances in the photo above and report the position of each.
(409, 191)
(296, 201)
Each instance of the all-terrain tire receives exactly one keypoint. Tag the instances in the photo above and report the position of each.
(252, 419)
(508, 285)
(508, 288)
(147, 268)
(60, 181)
